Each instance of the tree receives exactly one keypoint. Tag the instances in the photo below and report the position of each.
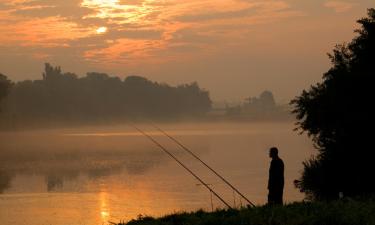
(338, 114)
(5, 85)
(267, 99)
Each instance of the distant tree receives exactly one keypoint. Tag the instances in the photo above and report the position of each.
(5, 86)
(51, 72)
(339, 115)
(267, 99)
(5, 179)
(258, 106)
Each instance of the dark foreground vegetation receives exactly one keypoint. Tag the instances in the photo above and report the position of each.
(338, 114)
(343, 212)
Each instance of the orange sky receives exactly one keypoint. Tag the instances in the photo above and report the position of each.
(234, 48)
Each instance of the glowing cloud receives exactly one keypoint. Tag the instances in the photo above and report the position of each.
(140, 30)
(339, 6)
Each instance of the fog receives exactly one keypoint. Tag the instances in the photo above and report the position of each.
(63, 99)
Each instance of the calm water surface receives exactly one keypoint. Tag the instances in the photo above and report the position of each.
(99, 175)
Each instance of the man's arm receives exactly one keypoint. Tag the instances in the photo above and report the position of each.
(271, 174)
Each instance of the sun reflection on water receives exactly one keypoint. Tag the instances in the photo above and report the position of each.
(104, 207)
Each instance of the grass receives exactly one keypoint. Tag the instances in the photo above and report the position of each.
(343, 212)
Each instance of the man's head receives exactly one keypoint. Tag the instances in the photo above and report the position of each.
(274, 152)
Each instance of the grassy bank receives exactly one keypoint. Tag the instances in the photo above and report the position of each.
(345, 212)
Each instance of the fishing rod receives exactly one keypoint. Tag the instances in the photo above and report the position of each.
(199, 159)
(181, 164)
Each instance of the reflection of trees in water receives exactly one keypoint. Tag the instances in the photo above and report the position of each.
(54, 182)
(57, 170)
(139, 167)
(60, 159)
(5, 179)
(104, 168)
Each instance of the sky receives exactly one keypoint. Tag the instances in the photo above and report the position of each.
(233, 48)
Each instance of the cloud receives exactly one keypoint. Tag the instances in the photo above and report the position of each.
(67, 12)
(241, 10)
(137, 30)
(68, 9)
(131, 2)
(3, 6)
(216, 15)
(339, 6)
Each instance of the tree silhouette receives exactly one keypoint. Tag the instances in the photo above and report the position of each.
(5, 86)
(64, 97)
(338, 114)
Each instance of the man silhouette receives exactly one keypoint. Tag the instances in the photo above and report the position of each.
(276, 178)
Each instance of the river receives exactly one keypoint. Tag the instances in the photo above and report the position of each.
(97, 175)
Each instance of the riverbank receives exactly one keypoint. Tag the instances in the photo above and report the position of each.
(343, 212)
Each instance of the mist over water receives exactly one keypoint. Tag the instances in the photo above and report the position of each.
(93, 175)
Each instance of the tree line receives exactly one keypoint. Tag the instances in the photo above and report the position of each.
(62, 96)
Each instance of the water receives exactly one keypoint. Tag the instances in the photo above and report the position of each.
(97, 175)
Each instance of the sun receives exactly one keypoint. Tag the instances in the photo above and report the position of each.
(101, 30)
